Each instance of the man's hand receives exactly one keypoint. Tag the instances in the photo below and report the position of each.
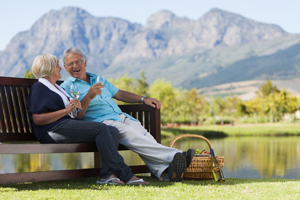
(95, 90)
(152, 102)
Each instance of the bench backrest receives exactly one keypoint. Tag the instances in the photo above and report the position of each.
(15, 123)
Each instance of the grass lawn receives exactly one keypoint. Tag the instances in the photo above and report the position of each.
(88, 189)
(275, 129)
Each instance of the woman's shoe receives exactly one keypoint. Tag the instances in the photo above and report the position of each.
(111, 181)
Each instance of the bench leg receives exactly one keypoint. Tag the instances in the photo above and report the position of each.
(97, 160)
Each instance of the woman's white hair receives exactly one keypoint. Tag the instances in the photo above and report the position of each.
(44, 65)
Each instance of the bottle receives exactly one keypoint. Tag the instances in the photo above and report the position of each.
(216, 168)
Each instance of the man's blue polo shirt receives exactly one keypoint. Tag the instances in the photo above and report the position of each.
(102, 107)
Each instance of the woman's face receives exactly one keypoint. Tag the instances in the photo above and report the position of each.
(56, 75)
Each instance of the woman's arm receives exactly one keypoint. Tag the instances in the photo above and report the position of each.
(47, 118)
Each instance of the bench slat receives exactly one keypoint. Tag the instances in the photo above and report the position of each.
(15, 137)
(15, 109)
(7, 123)
(11, 108)
(11, 81)
(147, 121)
(23, 110)
(155, 125)
(50, 148)
(2, 121)
(141, 117)
(26, 94)
(59, 175)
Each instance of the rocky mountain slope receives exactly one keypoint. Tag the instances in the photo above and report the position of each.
(217, 48)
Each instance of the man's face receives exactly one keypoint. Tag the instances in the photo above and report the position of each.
(75, 66)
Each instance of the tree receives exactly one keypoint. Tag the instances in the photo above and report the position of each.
(267, 88)
(267, 92)
(242, 108)
(254, 106)
(292, 103)
(28, 74)
(278, 101)
(231, 106)
(220, 105)
(164, 92)
(142, 85)
(125, 83)
(195, 104)
(192, 105)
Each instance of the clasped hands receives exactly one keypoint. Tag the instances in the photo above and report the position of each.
(74, 104)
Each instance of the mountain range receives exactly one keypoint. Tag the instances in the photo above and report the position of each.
(220, 47)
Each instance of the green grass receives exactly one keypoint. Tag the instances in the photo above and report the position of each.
(87, 189)
(233, 188)
(275, 129)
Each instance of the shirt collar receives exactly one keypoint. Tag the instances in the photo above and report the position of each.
(72, 78)
(90, 75)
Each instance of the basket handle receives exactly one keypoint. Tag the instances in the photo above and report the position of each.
(190, 135)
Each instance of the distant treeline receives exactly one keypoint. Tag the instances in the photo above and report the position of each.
(182, 106)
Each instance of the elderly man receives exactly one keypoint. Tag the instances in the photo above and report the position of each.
(96, 100)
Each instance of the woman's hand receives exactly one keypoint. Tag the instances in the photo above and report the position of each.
(74, 103)
(47, 118)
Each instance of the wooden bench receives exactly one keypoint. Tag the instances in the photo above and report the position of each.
(16, 135)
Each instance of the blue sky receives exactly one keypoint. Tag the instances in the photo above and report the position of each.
(20, 15)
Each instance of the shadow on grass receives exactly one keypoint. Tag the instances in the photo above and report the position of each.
(90, 183)
(229, 181)
(235, 181)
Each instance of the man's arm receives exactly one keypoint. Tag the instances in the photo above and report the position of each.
(128, 97)
(85, 101)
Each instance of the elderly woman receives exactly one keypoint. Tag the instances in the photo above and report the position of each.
(52, 111)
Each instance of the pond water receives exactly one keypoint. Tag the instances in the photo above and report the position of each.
(255, 157)
(245, 157)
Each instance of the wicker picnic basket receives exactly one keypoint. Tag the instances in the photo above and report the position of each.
(200, 167)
